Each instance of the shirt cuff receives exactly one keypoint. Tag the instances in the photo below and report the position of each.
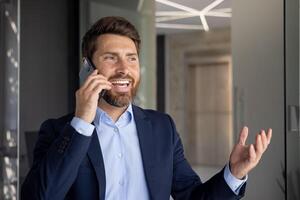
(234, 183)
(82, 126)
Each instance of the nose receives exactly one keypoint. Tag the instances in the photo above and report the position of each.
(122, 67)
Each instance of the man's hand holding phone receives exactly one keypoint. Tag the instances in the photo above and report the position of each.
(87, 96)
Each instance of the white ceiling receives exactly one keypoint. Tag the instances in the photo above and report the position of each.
(214, 14)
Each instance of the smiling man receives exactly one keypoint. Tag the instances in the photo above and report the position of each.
(112, 149)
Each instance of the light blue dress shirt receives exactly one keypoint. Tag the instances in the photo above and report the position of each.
(125, 178)
(124, 171)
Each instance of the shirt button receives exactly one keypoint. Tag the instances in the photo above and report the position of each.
(121, 183)
(116, 130)
(120, 155)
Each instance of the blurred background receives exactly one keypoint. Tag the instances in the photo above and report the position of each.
(213, 65)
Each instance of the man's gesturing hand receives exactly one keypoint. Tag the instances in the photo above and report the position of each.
(244, 157)
(87, 96)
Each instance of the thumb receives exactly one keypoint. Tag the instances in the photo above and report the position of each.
(243, 136)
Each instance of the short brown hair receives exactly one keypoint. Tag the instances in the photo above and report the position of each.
(113, 25)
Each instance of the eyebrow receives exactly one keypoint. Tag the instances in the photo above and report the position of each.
(131, 54)
(116, 54)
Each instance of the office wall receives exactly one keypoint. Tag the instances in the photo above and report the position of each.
(292, 98)
(44, 84)
(258, 77)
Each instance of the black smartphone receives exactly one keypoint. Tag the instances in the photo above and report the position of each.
(86, 70)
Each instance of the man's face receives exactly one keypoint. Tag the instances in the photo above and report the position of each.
(116, 58)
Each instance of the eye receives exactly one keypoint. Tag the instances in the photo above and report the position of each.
(132, 59)
(109, 57)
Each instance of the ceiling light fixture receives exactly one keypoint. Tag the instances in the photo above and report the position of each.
(179, 26)
(170, 18)
(204, 22)
(139, 6)
(183, 13)
(188, 9)
(176, 17)
(178, 6)
(218, 14)
(211, 6)
(188, 12)
(225, 10)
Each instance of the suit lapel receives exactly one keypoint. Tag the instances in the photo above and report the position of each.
(95, 155)
(147, 143)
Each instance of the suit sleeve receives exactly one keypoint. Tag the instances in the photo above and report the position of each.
(186, 184)
(57, 157)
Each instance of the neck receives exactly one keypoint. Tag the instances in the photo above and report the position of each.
(113, 111)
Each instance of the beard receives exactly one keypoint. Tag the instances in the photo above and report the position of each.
(121, 99)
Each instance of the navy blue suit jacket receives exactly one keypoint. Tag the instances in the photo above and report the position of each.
(68, 165)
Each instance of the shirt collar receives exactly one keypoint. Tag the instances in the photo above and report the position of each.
(124, 119)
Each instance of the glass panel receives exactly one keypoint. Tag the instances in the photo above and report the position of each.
(9, 59)
(199, 96)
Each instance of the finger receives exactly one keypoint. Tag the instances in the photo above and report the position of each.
(252, 154)
(243, 136)
(258, 146)
(99, 88)
(101, 83)
(264, 139)
(94, 72)
(96, 81)
(269, 135)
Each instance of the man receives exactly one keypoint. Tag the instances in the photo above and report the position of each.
(111, 149)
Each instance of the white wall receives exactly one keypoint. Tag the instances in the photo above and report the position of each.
(258, 73)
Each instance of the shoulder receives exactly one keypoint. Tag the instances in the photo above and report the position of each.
(153, 115)
(149, 113)
(57, 123)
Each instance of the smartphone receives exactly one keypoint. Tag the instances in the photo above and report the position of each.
(86, 70)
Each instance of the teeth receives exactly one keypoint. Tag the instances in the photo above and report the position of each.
(120, 82)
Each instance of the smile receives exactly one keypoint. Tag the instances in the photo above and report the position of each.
(121, 82)
(121, 85)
